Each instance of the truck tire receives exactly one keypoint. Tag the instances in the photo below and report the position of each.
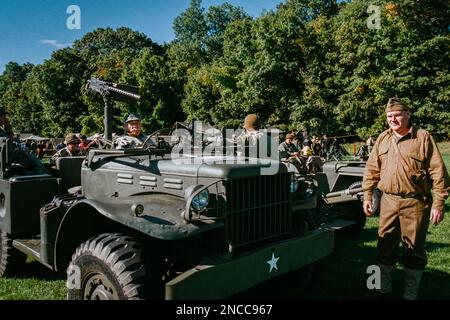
(11, 259)
(107, 267)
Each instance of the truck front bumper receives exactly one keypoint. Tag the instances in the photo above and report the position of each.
(220, 279)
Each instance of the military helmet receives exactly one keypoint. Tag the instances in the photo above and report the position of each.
(131, 117)
(251, 122)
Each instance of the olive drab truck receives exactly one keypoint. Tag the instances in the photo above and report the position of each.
(135, 224)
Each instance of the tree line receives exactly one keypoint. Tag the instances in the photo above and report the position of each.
(309, 64)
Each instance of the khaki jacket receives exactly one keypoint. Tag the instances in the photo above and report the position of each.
(66, 153)
(422, 170)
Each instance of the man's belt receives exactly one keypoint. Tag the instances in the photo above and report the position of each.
(409, 195)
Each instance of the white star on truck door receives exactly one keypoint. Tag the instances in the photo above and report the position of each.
(273, 263)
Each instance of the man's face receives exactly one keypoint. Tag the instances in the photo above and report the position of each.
(398, 121)
(134, 128)
(73, 147)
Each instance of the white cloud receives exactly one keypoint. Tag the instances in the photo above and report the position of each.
(55, 43)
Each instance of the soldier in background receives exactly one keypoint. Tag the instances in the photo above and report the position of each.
(288, 152)
(133, 137)
(5, 127)
(72, 148)
(251, 129)
(20, 161)
(370, 142)
(248, 141)
(325, 143)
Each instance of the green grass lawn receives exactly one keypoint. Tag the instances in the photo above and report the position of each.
(35, 282)
(343, 273)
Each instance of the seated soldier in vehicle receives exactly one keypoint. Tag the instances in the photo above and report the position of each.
(247, 142)
(133, 137)
(72, 148)
(5, 127)
(288, 152)
(20, 161)
(314, 164)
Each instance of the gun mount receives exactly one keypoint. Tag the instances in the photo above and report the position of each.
(112, 92)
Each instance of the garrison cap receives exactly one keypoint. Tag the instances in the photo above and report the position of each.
(131, 117)
(395, 104)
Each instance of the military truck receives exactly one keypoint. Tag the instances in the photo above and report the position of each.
(135, 224)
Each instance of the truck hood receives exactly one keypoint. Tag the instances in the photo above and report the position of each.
(207, 167)
(220, 167)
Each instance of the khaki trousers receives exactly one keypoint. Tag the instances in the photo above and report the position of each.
(404, 220)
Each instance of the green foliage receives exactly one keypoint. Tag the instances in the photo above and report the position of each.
(159, 88)
(58, 84)
(310, 64)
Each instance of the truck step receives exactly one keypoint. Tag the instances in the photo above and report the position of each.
(31, 247)
(338, 224)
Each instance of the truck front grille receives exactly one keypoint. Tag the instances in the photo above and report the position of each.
(258, 209)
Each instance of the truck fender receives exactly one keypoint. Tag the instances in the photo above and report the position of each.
(160, 218)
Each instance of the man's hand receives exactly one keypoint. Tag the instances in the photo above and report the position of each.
(436, 216)
(367, 206)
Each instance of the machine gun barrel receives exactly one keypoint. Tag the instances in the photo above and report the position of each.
(343, 195)
(111, 91)
(106, 88)
(125, 93)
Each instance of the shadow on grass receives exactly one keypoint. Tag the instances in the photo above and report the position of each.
(343, 275)
(433, 246)
(339, 276)
(34, 269)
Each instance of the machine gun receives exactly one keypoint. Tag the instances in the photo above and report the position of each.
(112, 91)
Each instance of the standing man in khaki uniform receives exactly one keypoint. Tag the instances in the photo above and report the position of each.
(405, 164)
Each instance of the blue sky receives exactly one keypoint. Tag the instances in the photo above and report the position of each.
(31, 30)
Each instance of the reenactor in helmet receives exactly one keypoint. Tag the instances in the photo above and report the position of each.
(250, 137)
(133, 137)
(251, 129)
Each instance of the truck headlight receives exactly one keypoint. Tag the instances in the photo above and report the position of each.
(294, 184)
(201, 200)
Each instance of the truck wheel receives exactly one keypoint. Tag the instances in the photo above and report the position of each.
(11, 259)
(107, 267)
